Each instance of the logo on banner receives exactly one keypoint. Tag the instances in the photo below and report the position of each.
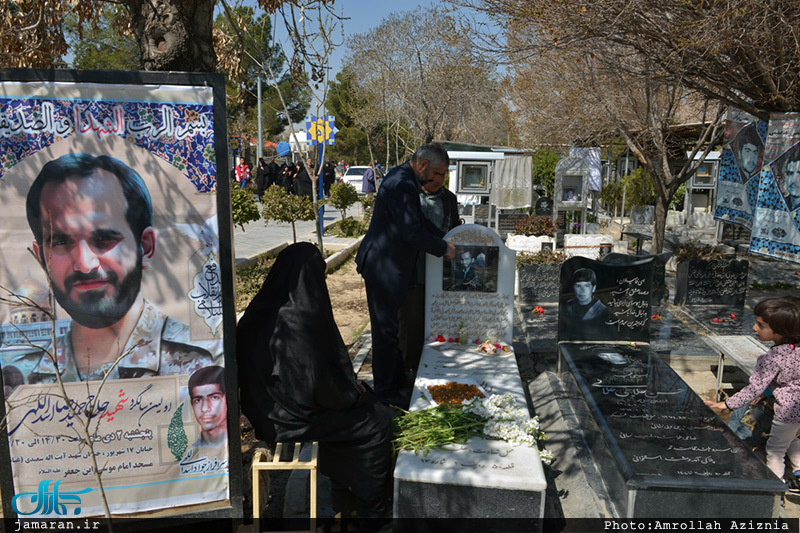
(48, 501)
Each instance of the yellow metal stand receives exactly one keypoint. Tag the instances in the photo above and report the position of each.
(260, 463)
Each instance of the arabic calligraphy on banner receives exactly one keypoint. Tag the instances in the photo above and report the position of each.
(133, 432)
(179, 133)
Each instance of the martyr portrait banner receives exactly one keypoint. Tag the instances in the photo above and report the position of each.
(111, 279)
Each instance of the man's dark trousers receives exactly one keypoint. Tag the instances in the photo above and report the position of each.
(387, 360)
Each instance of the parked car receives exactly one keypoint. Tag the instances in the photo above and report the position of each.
(355, 176)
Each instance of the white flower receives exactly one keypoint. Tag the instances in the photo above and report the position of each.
(504, 420)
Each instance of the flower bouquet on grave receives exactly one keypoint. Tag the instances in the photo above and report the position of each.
(493, 348)
(495, 417)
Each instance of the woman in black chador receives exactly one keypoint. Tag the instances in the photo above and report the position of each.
(297, 381)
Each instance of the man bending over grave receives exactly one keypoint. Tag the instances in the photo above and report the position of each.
(397, 233)
(585, 312)
(92, 222)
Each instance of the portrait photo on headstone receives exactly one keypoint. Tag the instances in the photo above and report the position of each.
(605, 302)
(474, 269)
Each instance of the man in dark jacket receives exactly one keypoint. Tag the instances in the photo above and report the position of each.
(397, 232)
(440, 208)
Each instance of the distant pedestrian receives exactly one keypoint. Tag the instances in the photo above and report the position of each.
(368, 181)
(262, 177)
(242, 171)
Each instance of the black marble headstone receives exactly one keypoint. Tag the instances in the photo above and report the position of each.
(618, 307)
(716, 282)
(544, 207)
(661, 451)
(539, 283)
(659, 290)
(506, 222)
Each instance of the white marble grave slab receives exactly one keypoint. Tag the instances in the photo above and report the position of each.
(479, 462)
(474, 296)
(586, 245)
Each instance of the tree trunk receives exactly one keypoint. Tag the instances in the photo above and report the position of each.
(660, 223)
(174, 34)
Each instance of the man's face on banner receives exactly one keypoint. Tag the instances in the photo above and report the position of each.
(89, 249)
(209, 406)
(748, 157)
(792, 178)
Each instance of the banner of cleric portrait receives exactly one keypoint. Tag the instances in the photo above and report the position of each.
(111, 318)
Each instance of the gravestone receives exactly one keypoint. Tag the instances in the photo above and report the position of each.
(590, 246)
(544, 207)
(605, 302)
(643, 215)
(482, 214)
(471, 296)
(659, 289)
(506, 222)
(661, 451)
(714, 282)
(539, 282)
(481, 478)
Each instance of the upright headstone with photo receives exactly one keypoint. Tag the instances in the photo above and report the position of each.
(471, 296)
(544, 207)
(605, 302)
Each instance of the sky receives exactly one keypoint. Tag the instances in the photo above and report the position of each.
(362, 15)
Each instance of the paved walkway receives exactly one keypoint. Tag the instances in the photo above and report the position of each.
(258, 237)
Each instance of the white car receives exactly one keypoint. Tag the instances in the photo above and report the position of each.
(355, 176)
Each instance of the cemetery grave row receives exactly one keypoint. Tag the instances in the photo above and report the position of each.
(661, 451)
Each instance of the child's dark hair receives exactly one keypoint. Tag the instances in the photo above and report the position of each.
(782, 315)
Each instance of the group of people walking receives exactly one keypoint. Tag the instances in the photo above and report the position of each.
(295, 178)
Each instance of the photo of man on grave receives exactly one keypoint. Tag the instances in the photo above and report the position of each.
(748, 151)
(584, 313)
(786, 169)
(474, 269)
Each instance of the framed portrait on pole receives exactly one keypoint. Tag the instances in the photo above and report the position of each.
(116, 296)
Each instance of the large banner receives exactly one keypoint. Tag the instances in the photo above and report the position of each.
(111, 300)
(776, 226)
(742, 158)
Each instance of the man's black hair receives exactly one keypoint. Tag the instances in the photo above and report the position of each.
(139, 214)
(584, 274)
(208, 375)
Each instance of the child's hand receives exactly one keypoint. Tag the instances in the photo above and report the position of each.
(717, 406)
(760, 397)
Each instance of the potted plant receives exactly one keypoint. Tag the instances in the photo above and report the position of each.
(708, 275)
(539, 275)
